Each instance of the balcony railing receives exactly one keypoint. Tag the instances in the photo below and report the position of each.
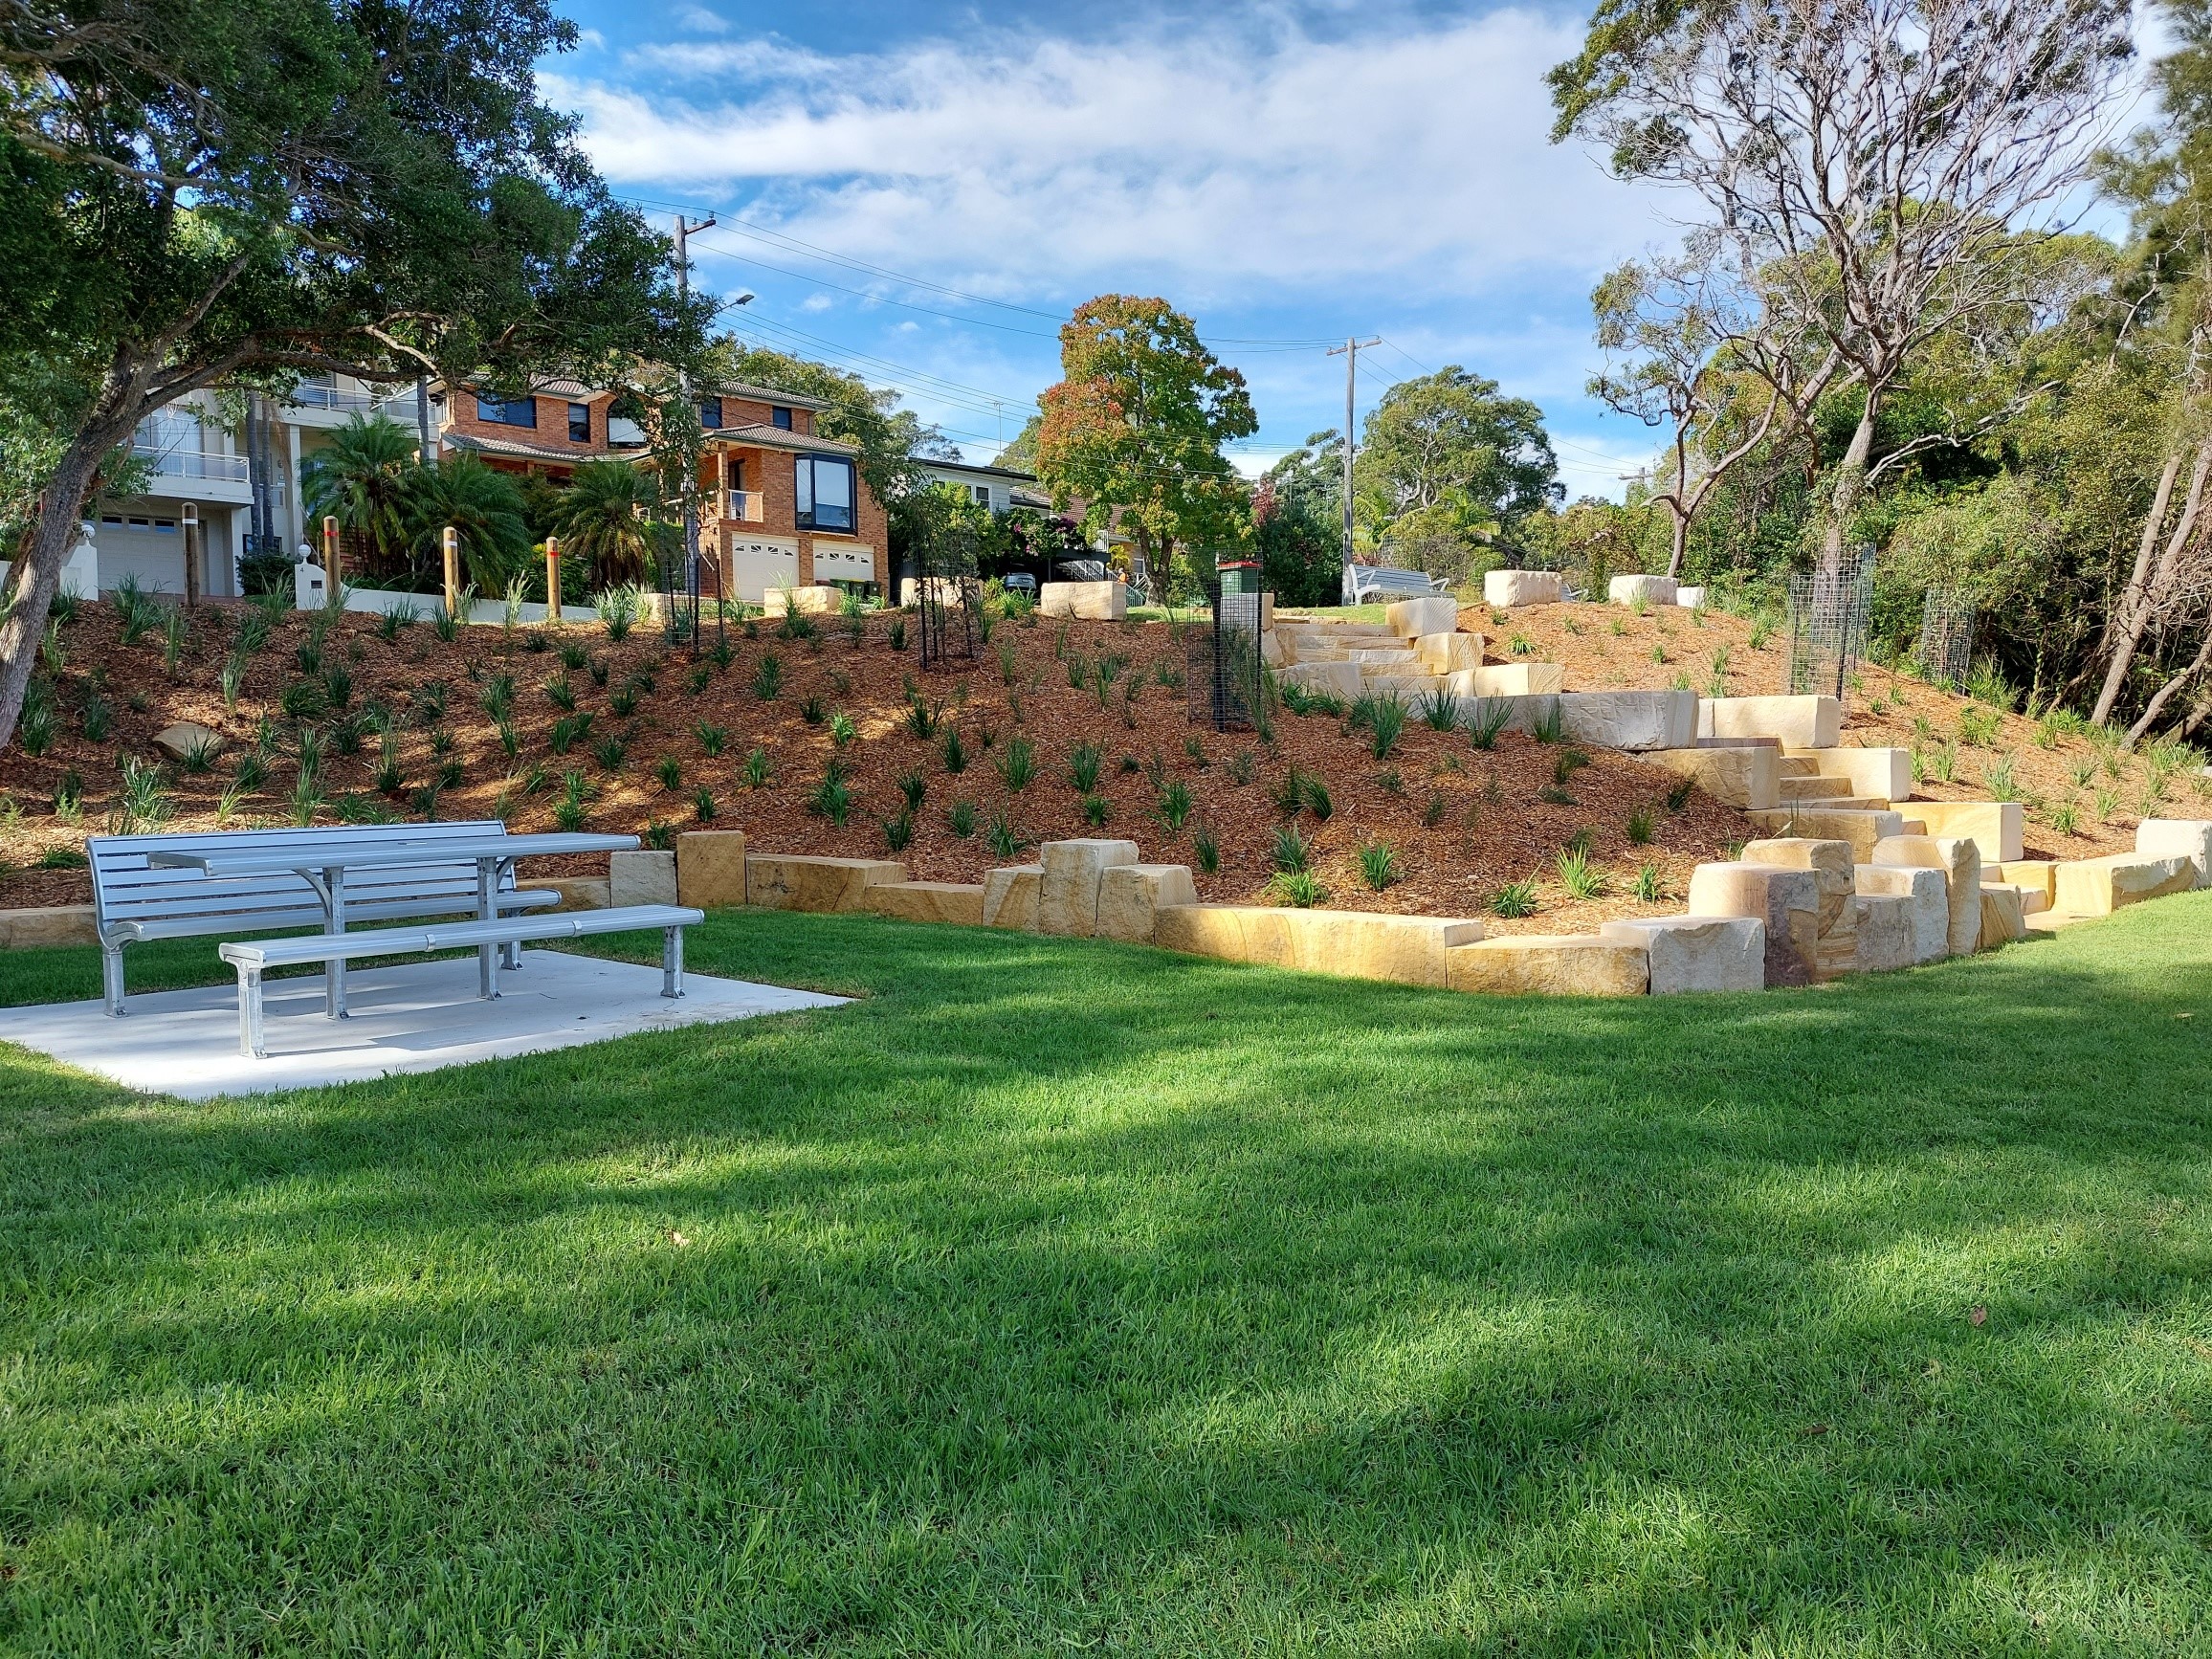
(192, 464)
(743, 506)
(350, 400)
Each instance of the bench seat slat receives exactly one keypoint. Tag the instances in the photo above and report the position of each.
(317, 947)
(424, 896)
(196, 926)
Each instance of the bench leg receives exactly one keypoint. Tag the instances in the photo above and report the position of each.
(671, 961)
(111, 977)
(250, 1043)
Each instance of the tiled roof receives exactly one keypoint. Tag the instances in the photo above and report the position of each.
(979, 470)
(767, 394)
(520, 449)
(768, 437)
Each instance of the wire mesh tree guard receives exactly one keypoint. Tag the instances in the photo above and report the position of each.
(678, 576)
(1828, 606)
(1224, 679)
(1946, 648)
(949, 598)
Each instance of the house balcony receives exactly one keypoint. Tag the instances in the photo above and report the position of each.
(200, 473)
(316, 403)
(741, 506)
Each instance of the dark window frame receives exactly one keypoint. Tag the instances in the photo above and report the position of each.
(712, 416)
(780, 417)
(498, 412)
(578, 415)
(807, 514)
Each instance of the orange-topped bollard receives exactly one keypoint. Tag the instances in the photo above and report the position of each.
(553, 579)
(453, 547)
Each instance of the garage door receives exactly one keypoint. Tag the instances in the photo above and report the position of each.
(839, 561)
(149, 548)
(758, 563)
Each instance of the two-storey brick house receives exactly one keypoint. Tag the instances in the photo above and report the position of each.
(781, 505)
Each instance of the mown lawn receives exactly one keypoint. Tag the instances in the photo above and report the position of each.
(1061, 1297)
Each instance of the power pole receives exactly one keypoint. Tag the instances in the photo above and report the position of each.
(1350, 351)
(684, 228)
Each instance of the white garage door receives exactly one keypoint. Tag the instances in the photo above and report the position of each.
(758, 563)
(149, 548)
(837, 562)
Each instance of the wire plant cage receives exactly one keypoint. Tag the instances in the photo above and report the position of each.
(677, 574)
(1223, 677)
(1945, 652)
(949, 597)
(1829, 608)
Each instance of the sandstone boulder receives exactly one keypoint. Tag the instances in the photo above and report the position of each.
(1787, 901)
(1507, 589)
(577, 892)
(1801, 723)
(817, 599)
(1358, 944)
(710, 868)
(1885, 937)
(1836, 949)
(1749, 777)
(640, 877)
(2191, 837)
(1412, 618)
(1630, 719)
(948, 903)
(1336, 680)
(1068, 903)
(1689, 598)
(1508, 679)
(180, 740)
(1960, 862)
(1011, 896)
(1551, 966)
(1994, 827)
(1697, 953)
(2100, 886)
(1643, 589)
(1131, 895)
(1091, 601)
(54, 924)
(1926, 900)
(1883, 774)
(2003, 920)
(2035, 877)
(791, 881)
(1860, 829)
(1449, 652)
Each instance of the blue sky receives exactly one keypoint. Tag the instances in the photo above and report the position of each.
(919, 191)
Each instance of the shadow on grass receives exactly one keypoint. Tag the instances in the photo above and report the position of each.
(1067, 1294)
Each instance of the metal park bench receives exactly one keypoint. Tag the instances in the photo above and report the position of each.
(1366, 583)
(134, 900)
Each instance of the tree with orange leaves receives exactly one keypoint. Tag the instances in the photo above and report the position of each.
(1134, 428)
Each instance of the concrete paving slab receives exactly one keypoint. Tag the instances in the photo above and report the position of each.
(406, 1017)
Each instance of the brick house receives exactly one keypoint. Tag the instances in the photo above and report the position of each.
(781, 505)
(548, 431)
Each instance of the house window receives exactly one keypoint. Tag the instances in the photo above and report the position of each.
(780, 415)
(982, 495)
(711, 414)
(825, 496)
(507, 411)
(579, 423)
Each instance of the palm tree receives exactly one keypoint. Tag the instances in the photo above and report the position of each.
(481, 502)
(607, 518)
(361, 479)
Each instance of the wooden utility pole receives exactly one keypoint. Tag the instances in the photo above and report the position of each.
(684, 228)
(1350, 351)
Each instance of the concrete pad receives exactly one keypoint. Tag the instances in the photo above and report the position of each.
(1801, 723)
(2100, 886)
(1960, 860)
(710, 868)
(1509, 679)
(1412, 618)
(1358, 944)
(62, 924)
(1094, 601)
(406, 1017)
(948, 903)
(1787, 901)
(1884, 774)
(1011, 896)
(1927, 898)
(1885, 938)
(1862, 830)
(2191, 837)
(795, 881)
(1551, 966)
(1131, 895)
(1995, 826)
(1630, 719)
(1697, 953)
(642, 877)
(1836, 950)
(1644, 590)
(2003, 917)
(1449, 652)
(1747, 777)
(1508, 588)
(1068, 903)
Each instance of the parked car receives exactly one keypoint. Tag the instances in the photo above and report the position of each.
(1022, 582)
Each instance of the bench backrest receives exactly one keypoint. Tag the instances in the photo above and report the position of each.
(126, 889)
(1385, 578)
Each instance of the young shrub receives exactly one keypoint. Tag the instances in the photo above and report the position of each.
(1550, 726)
(609, 752)
(1016, 764)
(896, 634)
(1581, 879)
(669, 770)
(659, 836)
(960, 818)
(1316, 795)
(842, 730)
(1650, 886)
(1432, 814)
(1206, 849)
(1299, 889)
(1175, 804)
(1083, 765)
(573, 656)
(561, 692)
(768, 678)
(1379, 864)
(757, 769)
(2066, 818)
(832, 799)
(897, 831)
(1097, 811)
(1292, 851)
(953, 752)
(1386, 723)
(912, 786)
(1486, 721)
(1643, 821)
(1005, 842)
(622, 704)
(1514, 899)
(703, 805)
(712, 738)
(1679, 795)
(1241, 766)
(813, 711)
(1439, 710)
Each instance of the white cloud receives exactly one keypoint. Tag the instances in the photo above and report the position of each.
(1418, 159)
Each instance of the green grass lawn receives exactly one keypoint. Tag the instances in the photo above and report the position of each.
(1060, 1296)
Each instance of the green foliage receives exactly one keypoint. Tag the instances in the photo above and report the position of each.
(1291, 852)
(758, 770)
(609, 517)
(1299, 889)
(1514, 899)
(1016, 764)
(1379, 865)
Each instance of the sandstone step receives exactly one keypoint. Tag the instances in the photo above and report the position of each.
(1797, 766)
(1800, 787)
